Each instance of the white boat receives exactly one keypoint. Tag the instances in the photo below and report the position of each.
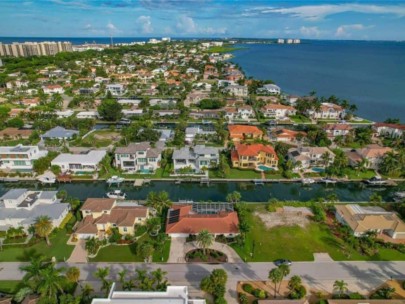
(308, 181)
(118, 194)
(115, 180)
(399, 196)
(328, 180)
(47, 178)
(376, 180)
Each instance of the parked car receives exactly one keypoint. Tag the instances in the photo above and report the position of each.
(280, 262)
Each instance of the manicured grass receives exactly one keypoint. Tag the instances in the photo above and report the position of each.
(298, 244)
(357, 174)
(9, 287)
(128, 253)
(236, 173)
(299, 119)
(222, 49)
(58, 249)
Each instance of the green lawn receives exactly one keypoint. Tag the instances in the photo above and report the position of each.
(298, 244)
(300, 119)
(128, 253)
(7, 286)
(58, 249)
(357, 174)
(222, 49)
(236, 173)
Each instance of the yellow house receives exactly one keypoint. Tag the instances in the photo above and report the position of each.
(102, 214)
(255, 156)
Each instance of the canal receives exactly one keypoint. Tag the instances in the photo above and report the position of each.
(346, 192)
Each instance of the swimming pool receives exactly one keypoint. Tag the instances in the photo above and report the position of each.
(318, 169)
(264, 168)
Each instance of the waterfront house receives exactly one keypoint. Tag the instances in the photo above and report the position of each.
(183, 220)
(14, 133)
(363, 219)
(243, 112)
(19, 158)
(373, 153)
(64, 114)
(195, 159)
(131, 112)
(210, 72)
(20, 208)
(166, 113)
(328, 110)
(269, 89)
(59, 133)
(254, 156)
(139, 157)
(100, 215)
(277, 111)
(164, 103)
(206, 114)
(171, 295)
(244, 132)
(79, 163)
(308, 157)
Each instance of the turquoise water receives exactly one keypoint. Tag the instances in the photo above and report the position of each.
(370, 74)
(264, 168)
(316, 169)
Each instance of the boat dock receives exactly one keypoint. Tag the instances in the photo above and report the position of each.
(141, 182)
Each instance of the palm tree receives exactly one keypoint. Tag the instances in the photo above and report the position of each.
(43, 227)
(158, 201)
(122, 276)
(73, 274)
(33, 271)
(51, 283)
(204, 240)
(325, 158)
(285, 271)
(294, 282)
(102, 274)
(340, 286)
(146, 251)
(276, 276)
(160, 280)
(87, 290)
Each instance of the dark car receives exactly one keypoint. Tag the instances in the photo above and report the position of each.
(280, 262)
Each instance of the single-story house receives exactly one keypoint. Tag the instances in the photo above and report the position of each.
(59, 133)
(79, 163)
(15, 133)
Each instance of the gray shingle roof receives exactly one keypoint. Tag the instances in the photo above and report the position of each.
(60, 132)
(13, 194)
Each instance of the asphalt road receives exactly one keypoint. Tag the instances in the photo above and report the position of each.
(360, 276)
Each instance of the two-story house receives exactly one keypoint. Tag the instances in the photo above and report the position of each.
(195, 158)
(100, 215)
(277, 111)
(269, 89)
(308, 157)
(139, 157)
(20, 208)
(254, 156)
(333, 130)
(19, 158)
(327, 111)
(243, 132)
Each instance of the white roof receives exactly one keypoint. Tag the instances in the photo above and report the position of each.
(93, 157)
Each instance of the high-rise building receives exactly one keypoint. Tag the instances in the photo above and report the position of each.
(26, 49)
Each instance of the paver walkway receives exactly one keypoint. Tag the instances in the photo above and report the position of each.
(79, 254)
(179, 248)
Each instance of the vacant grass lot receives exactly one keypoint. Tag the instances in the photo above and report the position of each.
(298, 244)
(58, 249)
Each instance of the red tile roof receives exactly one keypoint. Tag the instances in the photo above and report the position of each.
(237, 131)
(193, 223)
(254, 150)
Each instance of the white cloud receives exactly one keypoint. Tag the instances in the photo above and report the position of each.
(186, 24)
(310, 31)
(345, 30)
(317, 12)
(146, 24)
(112, 28)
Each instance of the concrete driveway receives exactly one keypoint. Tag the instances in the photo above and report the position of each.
(179, 248)
(79, 254)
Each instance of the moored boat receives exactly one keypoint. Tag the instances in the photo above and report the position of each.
(117, 194)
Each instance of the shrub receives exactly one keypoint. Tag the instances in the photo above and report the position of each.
(356, 296)
(322, 301)
(243, 299)
(248, 288)
(260, 293)
(220, 300)
(403, 285)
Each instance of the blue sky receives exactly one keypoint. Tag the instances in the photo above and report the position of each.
(366, 20)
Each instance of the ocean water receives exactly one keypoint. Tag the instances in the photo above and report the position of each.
(368, 73)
